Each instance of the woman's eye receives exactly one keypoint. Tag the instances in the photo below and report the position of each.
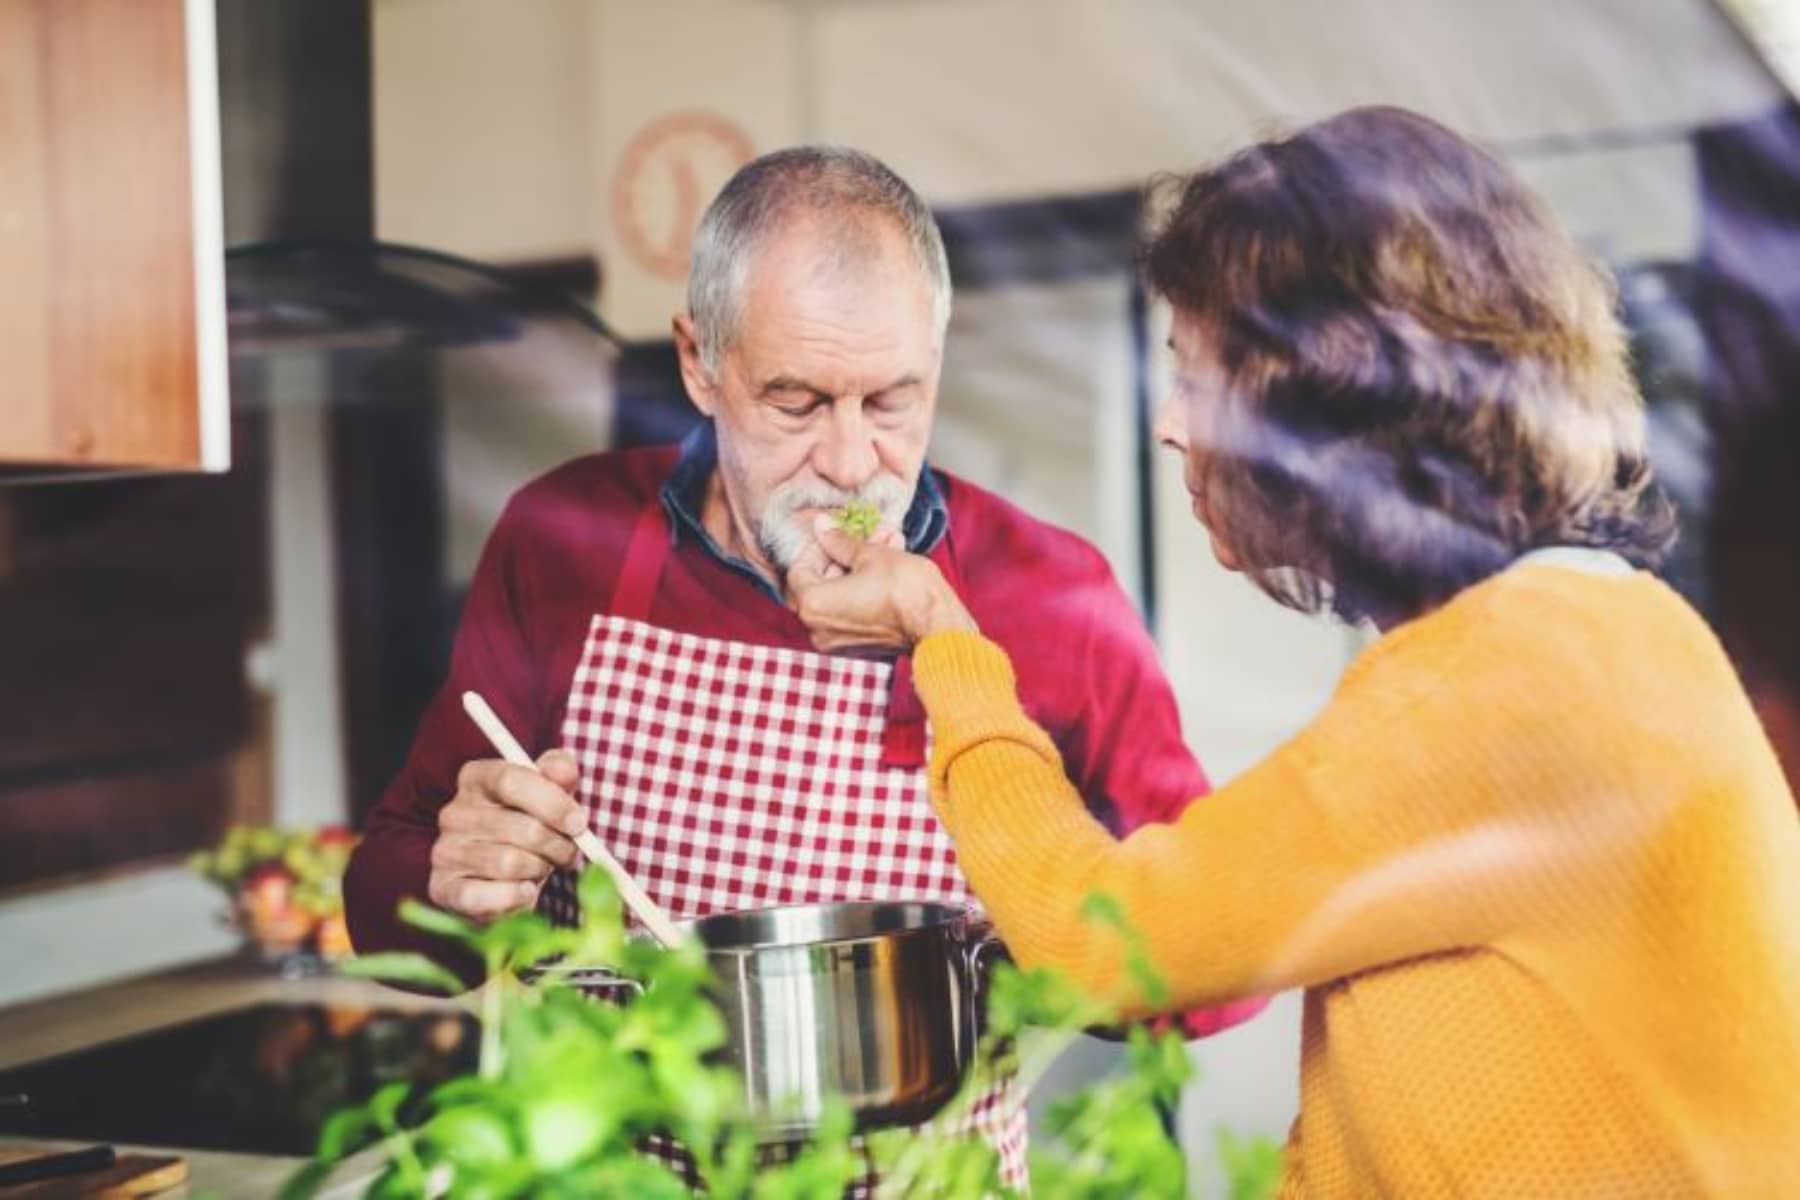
(1186, 388)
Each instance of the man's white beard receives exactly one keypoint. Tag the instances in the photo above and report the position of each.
(783, 536)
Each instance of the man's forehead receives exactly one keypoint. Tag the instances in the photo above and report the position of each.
(836, 307)
(831, 247)
(851, 333)
(863, 354)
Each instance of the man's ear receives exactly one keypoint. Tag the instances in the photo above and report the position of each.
(702, 389)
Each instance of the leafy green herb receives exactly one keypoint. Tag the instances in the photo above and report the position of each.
(409, 969)
(859, 518)
(568, 1088)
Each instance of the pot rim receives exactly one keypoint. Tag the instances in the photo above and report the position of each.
(936, 916)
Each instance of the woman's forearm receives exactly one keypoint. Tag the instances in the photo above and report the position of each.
(1252, 891)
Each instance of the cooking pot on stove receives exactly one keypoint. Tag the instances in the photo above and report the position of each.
(877, 1002)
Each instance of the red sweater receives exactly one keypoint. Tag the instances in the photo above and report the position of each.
(1087, 670)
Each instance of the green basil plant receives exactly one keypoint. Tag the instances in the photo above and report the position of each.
(568, 1088)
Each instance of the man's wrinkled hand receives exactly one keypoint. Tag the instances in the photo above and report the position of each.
(502, 834)
(870, 596)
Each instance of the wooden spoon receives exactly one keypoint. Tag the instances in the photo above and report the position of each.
(642, 906)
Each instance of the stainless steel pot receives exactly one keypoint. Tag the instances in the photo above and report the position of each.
(877, 1002)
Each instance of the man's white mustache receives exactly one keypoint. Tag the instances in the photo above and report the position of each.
(886, 492)
(783, 538)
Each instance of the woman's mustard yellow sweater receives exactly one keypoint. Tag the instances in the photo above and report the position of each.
(1535, 866)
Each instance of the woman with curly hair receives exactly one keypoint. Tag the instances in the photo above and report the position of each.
(1535, 863)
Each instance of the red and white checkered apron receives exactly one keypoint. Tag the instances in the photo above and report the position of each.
(727, 776)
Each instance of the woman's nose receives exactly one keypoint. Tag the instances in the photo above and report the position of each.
(1170, 426)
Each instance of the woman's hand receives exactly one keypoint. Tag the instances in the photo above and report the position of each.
(870, 596)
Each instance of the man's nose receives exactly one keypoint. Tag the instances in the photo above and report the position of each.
(845, 456)
(1170, 426)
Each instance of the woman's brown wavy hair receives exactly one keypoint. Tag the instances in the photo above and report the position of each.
(1425, 377)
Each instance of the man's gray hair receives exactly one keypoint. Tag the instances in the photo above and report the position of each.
(834, 181)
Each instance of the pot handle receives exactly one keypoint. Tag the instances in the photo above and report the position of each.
(983, 949)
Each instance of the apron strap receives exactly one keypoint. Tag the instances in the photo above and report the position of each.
(644, 558)
(903, 737)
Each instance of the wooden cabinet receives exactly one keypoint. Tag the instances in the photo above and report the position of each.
(128, 732)
(112, 324)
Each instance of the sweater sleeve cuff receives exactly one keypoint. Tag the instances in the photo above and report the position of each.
(961, 674)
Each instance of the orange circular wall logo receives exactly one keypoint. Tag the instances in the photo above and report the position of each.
(668, 172)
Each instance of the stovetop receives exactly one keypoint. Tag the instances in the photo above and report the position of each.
(257, 1080)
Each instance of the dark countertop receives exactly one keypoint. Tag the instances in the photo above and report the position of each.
(61, 1025)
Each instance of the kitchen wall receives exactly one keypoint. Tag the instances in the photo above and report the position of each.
(483, 132)
(485, 148)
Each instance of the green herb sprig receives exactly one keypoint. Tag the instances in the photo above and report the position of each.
(859, 518)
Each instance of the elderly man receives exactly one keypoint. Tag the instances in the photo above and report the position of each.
(631, 612)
